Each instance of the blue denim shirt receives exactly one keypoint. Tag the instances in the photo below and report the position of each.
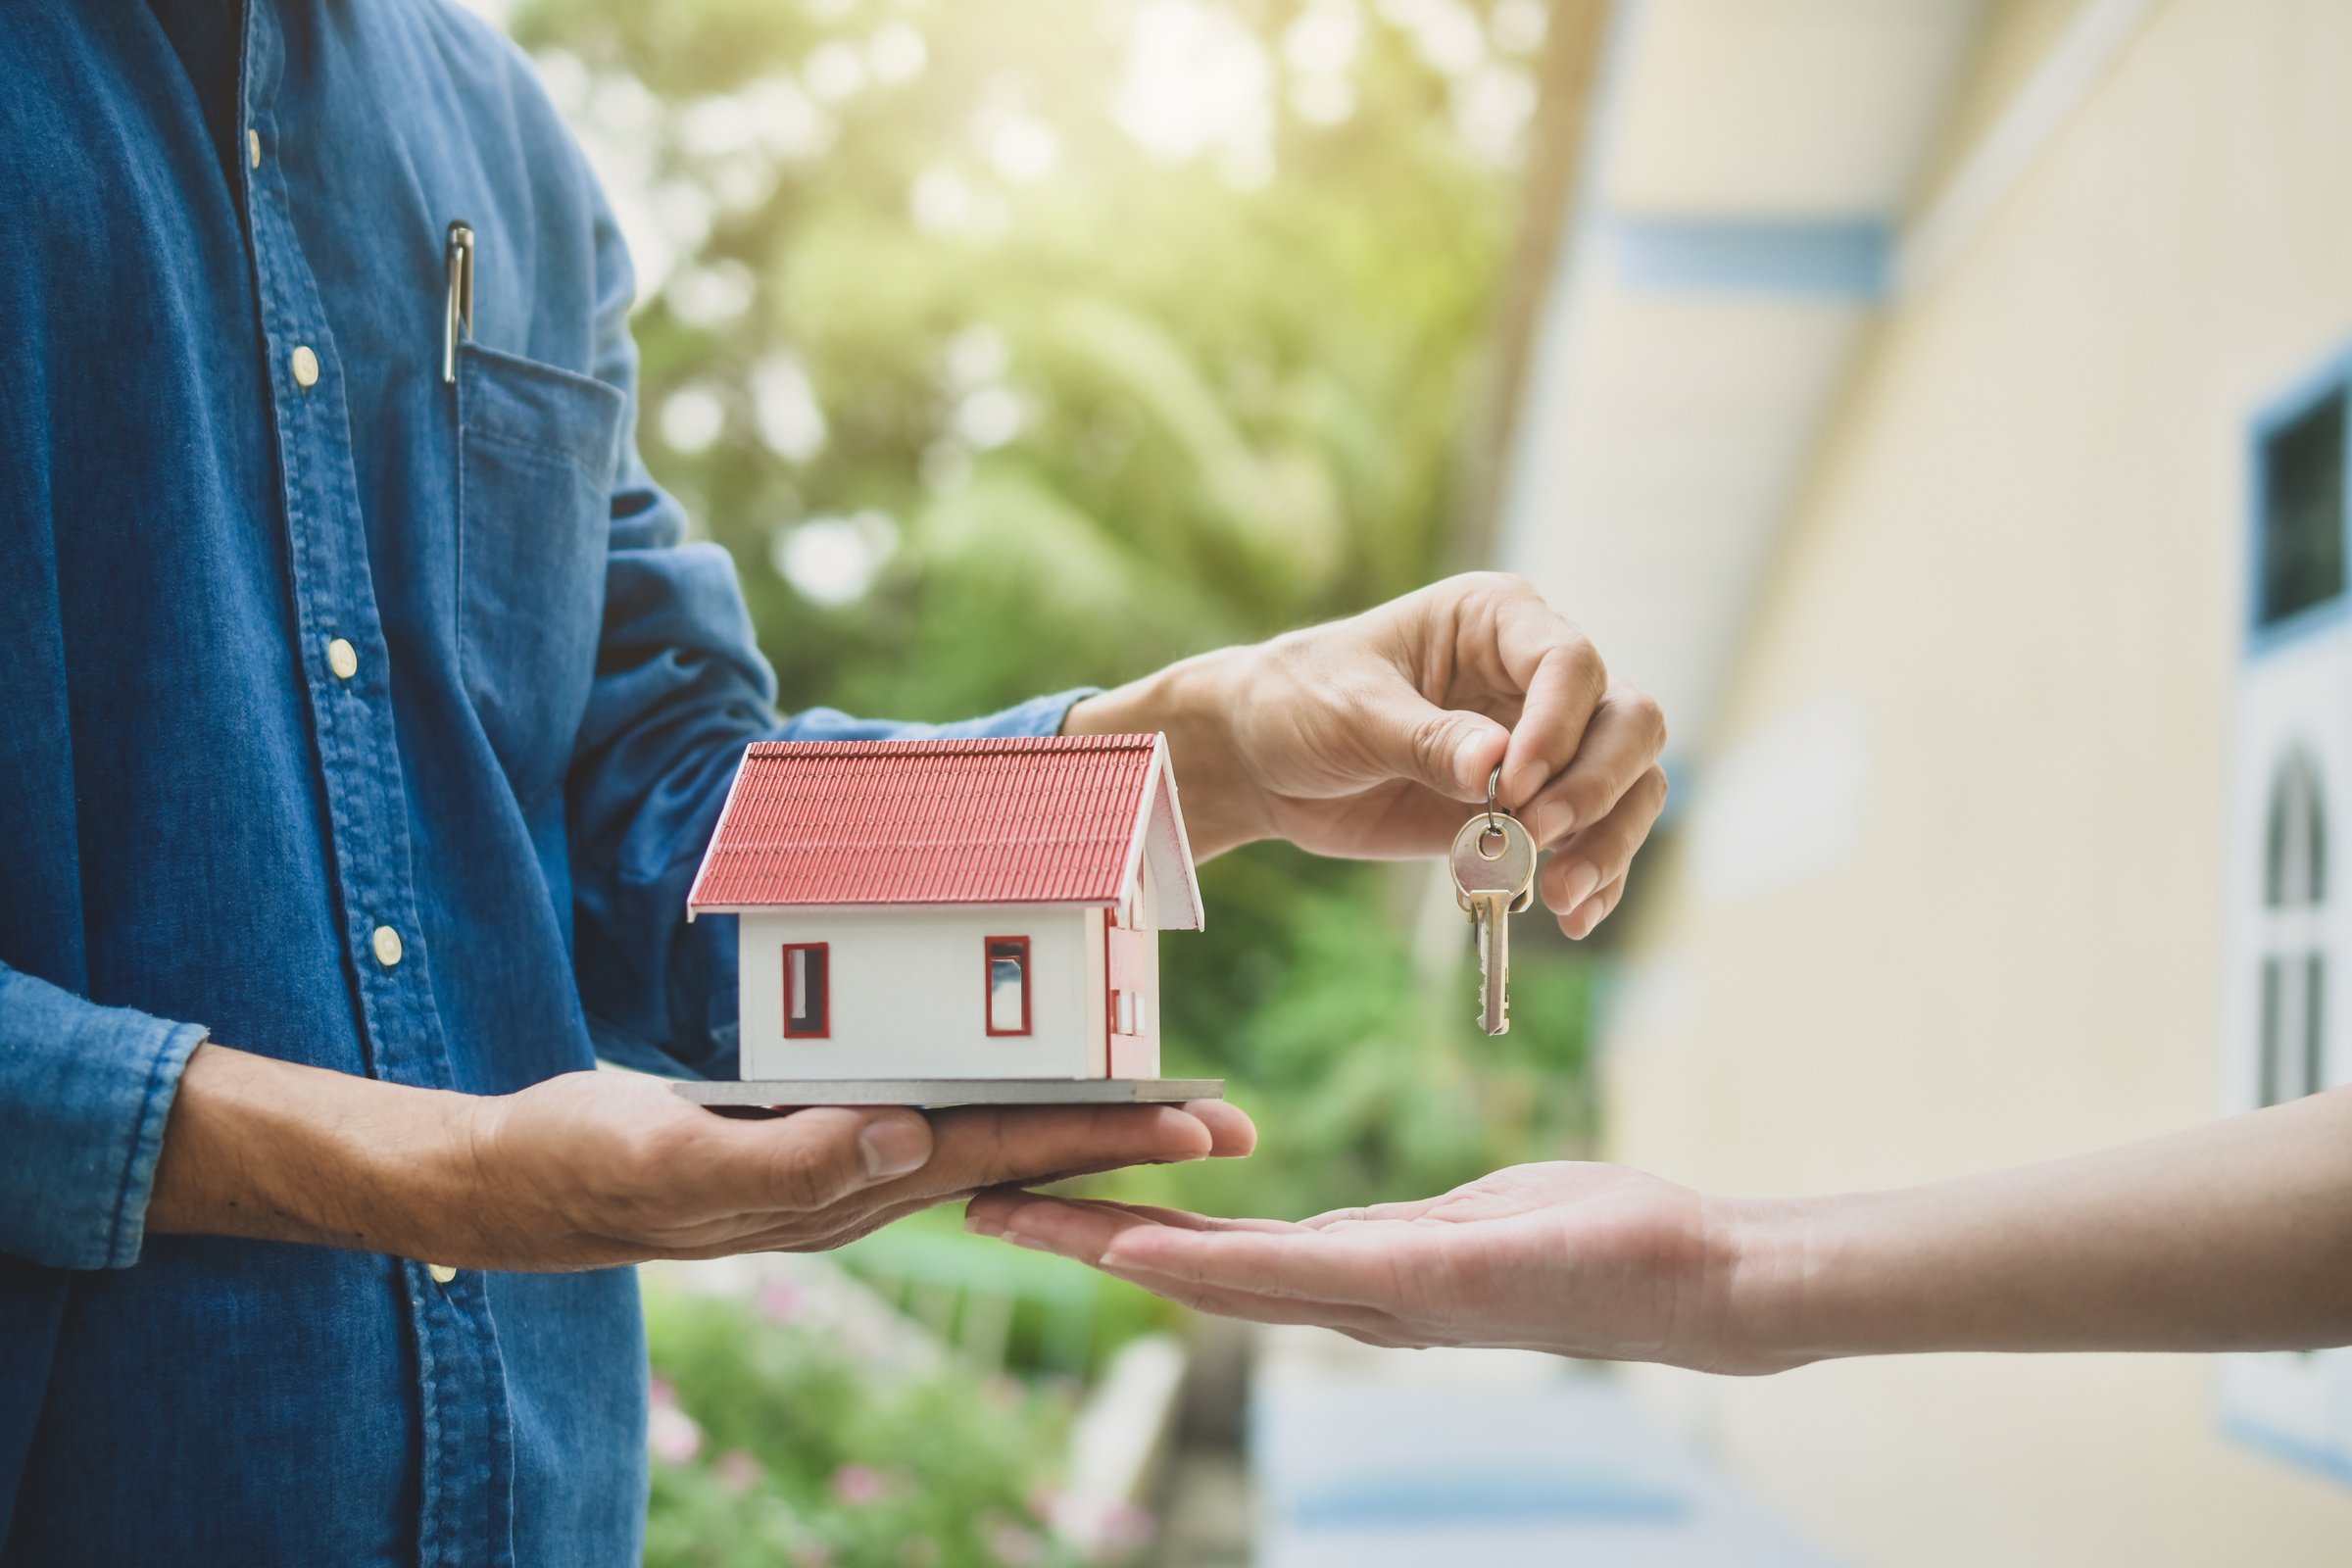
(348, 716)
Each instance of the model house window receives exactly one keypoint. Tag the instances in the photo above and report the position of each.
(1007, 985)
(2302, 511)
(808, 1000)
(1122, 1013)
(2293, 1039)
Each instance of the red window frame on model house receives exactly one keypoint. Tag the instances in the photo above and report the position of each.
(989, 958)
(822, 1026)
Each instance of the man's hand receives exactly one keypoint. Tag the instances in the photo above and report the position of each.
(591, 1169)
(595, 1167)
(1371, 737)
(1586, 1260)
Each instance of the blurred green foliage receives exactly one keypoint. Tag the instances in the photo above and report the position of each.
(1369, 1078)
(1004, 1305)
(775, 1446)
(1012, 345)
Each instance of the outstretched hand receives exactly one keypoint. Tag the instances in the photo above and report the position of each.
(1579, 1259)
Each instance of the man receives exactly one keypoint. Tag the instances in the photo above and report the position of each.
(361, 720)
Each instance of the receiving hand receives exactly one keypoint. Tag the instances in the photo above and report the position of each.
(1579, 1259)
(1371, 737)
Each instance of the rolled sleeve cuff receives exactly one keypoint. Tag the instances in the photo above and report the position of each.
(84, 1094)
(1040, 716)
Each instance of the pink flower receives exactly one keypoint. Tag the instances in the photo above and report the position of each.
(736, 1470)
(781, 1300)
(1125, 1528)
(672, 1435)
(1012, 1545)
(857, 1485)
(812, 1554)
(663, 1393)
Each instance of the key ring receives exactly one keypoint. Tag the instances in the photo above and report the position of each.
(1494, 828)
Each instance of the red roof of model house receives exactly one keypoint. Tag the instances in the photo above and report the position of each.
(1082, 819)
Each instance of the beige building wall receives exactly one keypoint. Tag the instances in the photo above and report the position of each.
(1996, 654)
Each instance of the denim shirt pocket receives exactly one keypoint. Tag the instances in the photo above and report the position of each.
(536, 449)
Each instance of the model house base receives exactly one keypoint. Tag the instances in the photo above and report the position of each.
(936, 1094)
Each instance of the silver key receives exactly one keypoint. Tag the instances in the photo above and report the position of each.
(1493, 863)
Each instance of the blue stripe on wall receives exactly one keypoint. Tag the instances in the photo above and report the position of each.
(1490, 1496)
(1828, 259)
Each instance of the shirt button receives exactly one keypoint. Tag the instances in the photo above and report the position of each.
(387, 943)
(442, 1273)
(306, 367)
(342, 658)
(253, 148)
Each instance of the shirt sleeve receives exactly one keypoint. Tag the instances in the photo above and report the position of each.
(84, 1092)
(680, 691)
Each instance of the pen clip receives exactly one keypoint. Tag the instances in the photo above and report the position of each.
(458, 253)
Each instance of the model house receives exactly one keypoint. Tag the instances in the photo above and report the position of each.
(952, 909)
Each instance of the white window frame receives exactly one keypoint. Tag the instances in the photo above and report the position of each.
(2294, 711)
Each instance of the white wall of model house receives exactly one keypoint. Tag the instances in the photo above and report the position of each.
(908, 993)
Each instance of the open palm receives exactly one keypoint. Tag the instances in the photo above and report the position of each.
(1579, 1259)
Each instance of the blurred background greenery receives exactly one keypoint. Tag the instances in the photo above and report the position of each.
(1013, 345)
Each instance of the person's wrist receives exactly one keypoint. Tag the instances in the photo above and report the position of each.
(280, 1151)
(427, 1183)
(1760, 1257)
(389, 1168)
(1194, 702)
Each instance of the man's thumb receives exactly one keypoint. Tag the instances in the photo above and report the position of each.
(893, 1146)
(821, 1157)
(1443, 749)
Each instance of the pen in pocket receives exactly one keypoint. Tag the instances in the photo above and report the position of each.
(458, 253)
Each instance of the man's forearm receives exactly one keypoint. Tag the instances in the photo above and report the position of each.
(2232, 1236)
(277, 1152)
(1191, 703)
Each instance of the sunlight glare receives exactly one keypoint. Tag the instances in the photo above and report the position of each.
(692, 419)
(834, 70)
(898, 53)
(1196, 81)
(1023, 149)
(834, 560)
(790, 421)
